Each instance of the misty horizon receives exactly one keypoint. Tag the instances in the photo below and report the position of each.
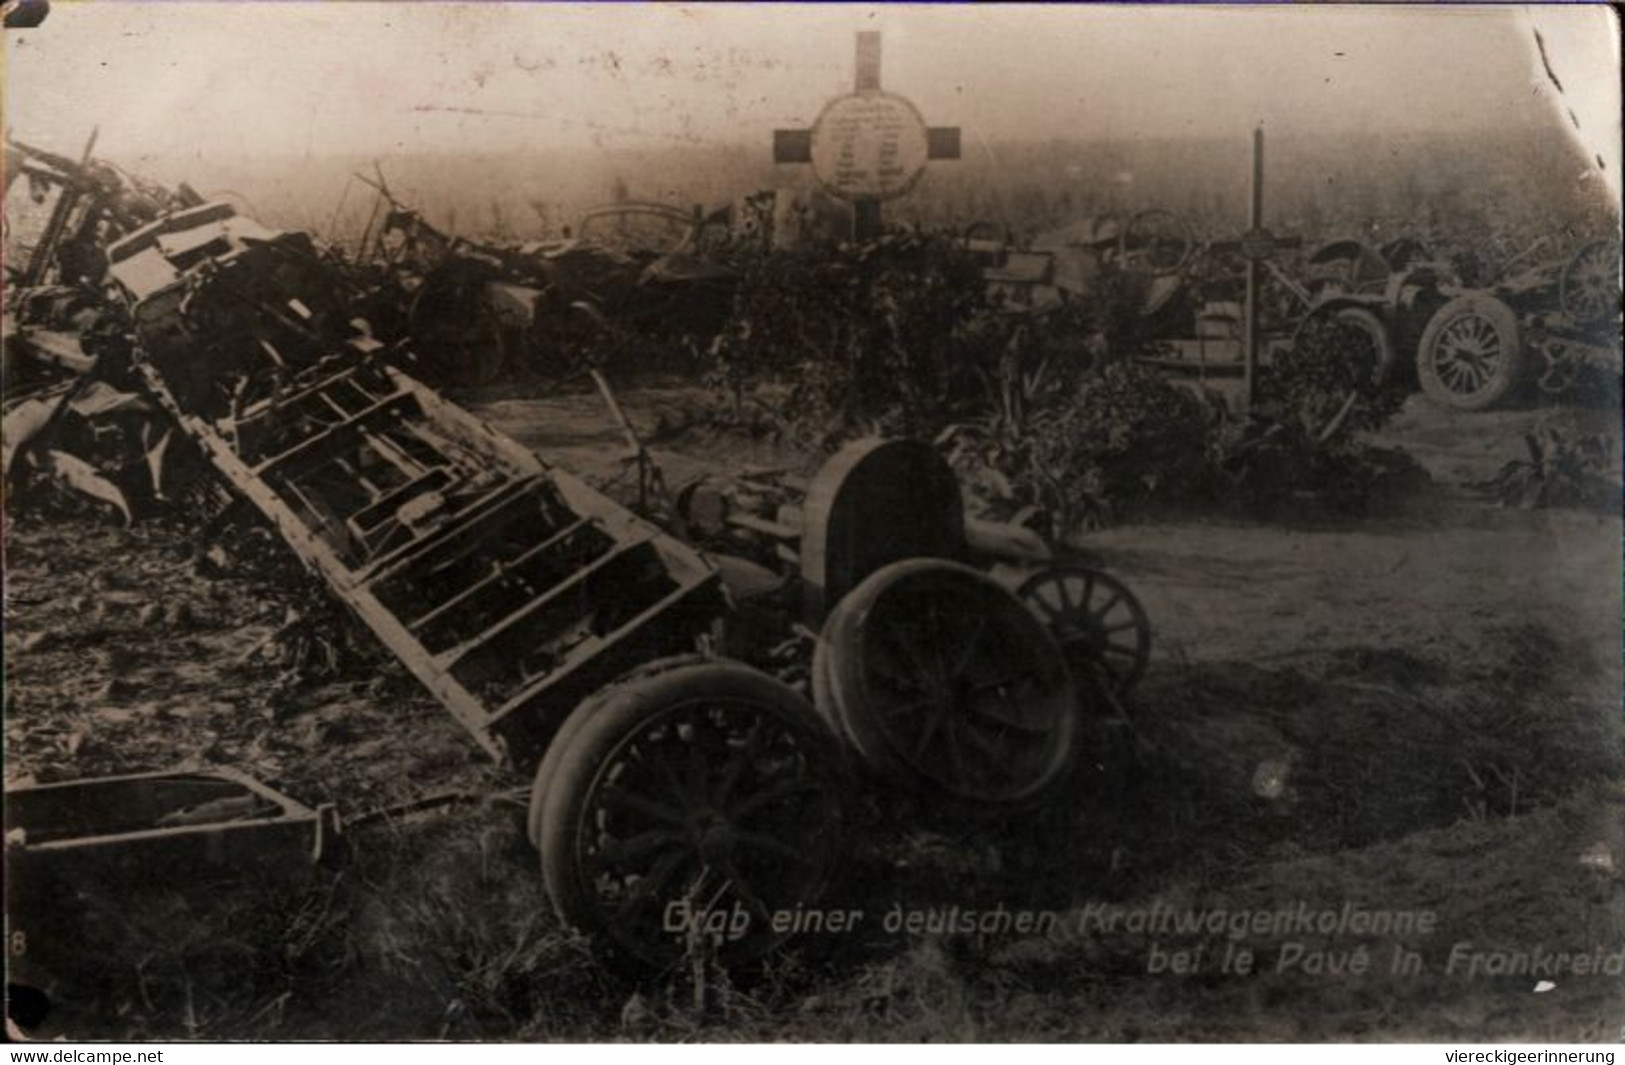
(380, 78)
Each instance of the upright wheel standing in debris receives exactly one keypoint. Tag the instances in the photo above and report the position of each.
(1471, 354)
(1384, 362)
(1588, 287)
(1157, 240)
(1099, 624)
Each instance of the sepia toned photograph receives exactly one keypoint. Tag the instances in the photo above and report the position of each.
(812, 523)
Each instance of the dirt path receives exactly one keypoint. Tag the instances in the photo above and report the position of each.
(1431, 582)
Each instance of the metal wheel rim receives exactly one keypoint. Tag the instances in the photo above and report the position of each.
(1590, 282)
(1106, 637)
(726, 836)
(1468, 355)
(981, 718)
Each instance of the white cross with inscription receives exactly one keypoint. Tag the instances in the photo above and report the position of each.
(868, 146)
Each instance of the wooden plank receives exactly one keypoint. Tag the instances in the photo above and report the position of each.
(361, 522)
(866, 78)
(509, 493)
(466, 429)
(598, 645)
(339, 431)
(274, 406)
(774, 529)
(448, 659)
(502, 570)
(62, 349)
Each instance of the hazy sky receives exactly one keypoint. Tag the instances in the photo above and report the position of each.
(220, 78)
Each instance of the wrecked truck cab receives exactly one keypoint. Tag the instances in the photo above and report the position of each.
(214, 297)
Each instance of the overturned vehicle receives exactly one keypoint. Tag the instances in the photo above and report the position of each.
(1546, 319)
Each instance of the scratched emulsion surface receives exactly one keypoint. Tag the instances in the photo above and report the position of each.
(1371, 788)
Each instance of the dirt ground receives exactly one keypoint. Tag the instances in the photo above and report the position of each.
(1417, 712)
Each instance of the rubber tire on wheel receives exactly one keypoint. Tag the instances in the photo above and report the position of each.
(1507, 372)
(577, 779)
(586, 711)
(859, 697)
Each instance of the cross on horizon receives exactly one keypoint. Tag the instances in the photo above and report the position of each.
(868, 146)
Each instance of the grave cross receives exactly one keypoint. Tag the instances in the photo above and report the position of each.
(868, 146)
(1259, 248)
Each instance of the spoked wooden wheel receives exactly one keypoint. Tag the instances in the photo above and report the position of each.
(1099, 624)
(934, 671)
(1588, 287)
(682, 809)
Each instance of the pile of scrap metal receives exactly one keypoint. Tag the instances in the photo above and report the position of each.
(643, 674)
(60, 215)
(71, 412)
(474, 310)
(1073, 261)
(1149, 287)
(1546, 317)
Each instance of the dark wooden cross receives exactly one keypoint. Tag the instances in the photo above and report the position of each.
(1259, 248)
(868, 146)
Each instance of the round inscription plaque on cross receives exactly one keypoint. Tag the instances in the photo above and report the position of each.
(869, 146)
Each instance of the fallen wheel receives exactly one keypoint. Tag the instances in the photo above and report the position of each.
(1352, 334)
(683, 808)
(935, 672)
(1101, 628)
(1588, 287)
(1470, 356)
(1158, 240)
(1377, 349)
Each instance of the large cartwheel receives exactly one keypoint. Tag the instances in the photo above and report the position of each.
(1157, 241)
(1588, 285)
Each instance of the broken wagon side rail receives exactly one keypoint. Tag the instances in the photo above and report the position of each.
(585, 643)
